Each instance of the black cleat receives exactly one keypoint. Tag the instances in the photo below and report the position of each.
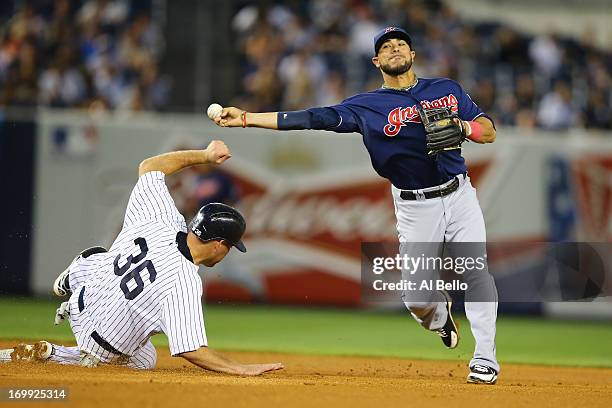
(61, 286)
(449, 332)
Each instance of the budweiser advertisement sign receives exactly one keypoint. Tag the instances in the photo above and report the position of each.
(593, 176)
(304, 237)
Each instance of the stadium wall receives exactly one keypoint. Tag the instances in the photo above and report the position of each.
(310, 198)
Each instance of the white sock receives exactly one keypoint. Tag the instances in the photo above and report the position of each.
(65, 355)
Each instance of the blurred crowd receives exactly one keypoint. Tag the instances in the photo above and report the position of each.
(105, 54)
(92, 54)
(298, 54)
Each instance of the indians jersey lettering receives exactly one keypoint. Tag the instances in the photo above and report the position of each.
(399, 116)
(392, 131)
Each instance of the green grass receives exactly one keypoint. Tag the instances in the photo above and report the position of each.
(350, 332)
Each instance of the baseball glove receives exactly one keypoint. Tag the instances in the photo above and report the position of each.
(443, 129)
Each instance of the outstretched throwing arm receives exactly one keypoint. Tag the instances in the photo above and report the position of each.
(320, 118)
(234, 117)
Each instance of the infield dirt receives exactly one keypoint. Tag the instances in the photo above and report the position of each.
(312, 381)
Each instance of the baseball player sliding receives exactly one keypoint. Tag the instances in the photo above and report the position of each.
(413, 129)
(148, 282)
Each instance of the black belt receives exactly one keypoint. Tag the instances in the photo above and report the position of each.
(95, 336)
(441, 192)
(104, 344)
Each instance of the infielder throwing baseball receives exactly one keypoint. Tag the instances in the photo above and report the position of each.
(413, 129)
(148, 282)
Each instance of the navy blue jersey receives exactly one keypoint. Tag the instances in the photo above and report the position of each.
(393, 133)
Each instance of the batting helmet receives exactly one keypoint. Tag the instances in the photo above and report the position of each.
(219, 221)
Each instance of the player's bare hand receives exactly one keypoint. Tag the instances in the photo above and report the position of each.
(230, 117)
(217, 152)
(258, 369)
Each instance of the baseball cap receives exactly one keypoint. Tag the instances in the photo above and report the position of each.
(219, 221)
(390, 32)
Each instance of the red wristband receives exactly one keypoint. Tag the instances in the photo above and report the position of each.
(243, 114)
(476, 133)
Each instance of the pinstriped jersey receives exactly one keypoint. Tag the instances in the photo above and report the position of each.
(144, 285)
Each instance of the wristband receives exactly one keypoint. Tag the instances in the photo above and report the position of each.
(475, 131)
(243, 116)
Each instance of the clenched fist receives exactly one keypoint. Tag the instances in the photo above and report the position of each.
(217, 152)
(230, 117)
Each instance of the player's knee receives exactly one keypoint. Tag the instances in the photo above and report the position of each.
(476, 278)
(142, 363)
(419, 300)
(145, 359)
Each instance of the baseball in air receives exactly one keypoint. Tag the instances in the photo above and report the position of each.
(214, 110)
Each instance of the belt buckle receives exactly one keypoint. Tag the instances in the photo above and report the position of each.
(420, 195)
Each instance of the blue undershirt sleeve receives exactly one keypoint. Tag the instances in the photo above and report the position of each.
(333, 118)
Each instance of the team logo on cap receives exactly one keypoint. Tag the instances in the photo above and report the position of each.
(388, 29)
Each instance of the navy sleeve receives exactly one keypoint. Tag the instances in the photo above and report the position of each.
(313, 118)
(347, 121)
(336, 118)
(468, 110)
